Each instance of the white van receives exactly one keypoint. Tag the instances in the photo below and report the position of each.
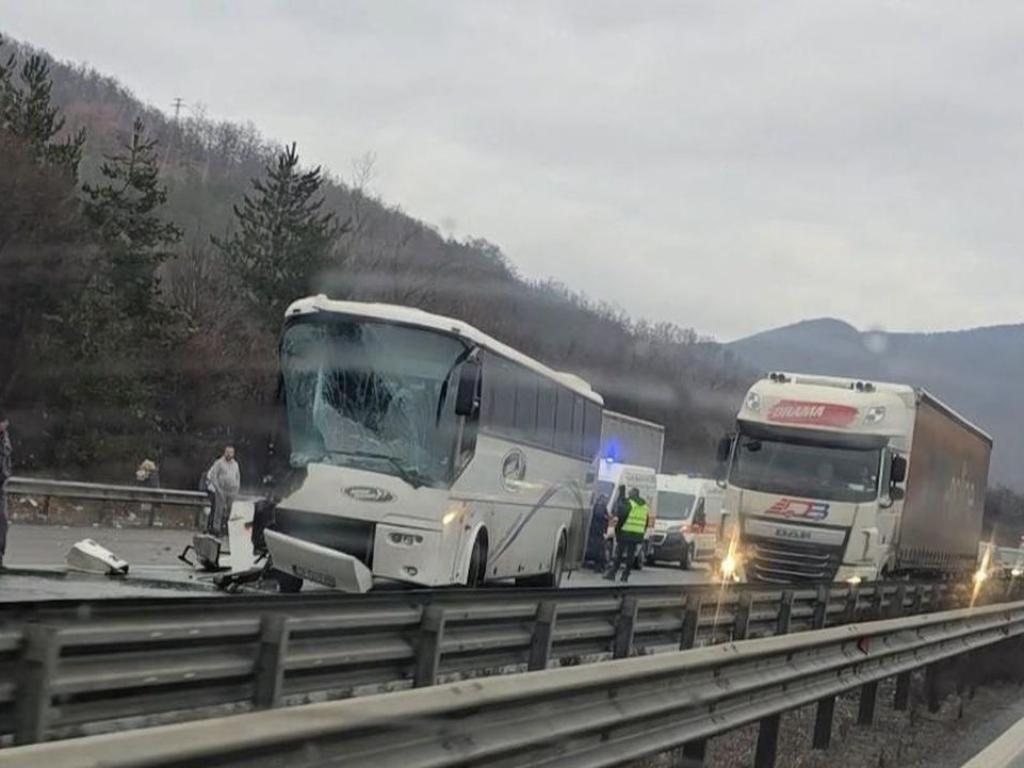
(689, 514)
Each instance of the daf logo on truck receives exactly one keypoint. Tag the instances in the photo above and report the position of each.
(797, 508)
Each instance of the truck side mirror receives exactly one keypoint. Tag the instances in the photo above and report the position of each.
(724, 447)
(896, 494)
(898, 470)
(467, 396)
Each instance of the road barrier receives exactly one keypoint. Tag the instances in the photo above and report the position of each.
(70, 668)
(44, 488)
(598, 715)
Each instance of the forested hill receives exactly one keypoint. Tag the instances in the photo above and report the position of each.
(130, 333)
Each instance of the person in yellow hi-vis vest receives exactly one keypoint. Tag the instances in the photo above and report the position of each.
(630, 534)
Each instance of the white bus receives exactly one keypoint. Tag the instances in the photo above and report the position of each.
(427, 452)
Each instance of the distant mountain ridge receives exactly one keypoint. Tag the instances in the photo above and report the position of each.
(978, 372)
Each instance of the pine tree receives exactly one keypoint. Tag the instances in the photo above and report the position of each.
(283, 237)
(124, 214)
(26, 111)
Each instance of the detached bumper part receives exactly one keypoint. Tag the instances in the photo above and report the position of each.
(86, 555)
(329, 567)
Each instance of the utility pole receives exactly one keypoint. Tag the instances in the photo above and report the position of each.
(178, 103)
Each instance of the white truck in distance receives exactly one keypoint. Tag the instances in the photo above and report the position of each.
(833, 479)
(631, 455)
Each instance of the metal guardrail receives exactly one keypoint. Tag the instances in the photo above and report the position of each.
(34, 486)
(1007, 751)
(599, 715)
(73, 668)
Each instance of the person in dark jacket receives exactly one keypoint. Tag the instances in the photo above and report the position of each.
(5, 472)
(595, 535)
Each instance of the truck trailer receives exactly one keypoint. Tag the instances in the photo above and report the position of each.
(834, 479)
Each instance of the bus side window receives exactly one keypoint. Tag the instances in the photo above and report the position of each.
(591, 430)
(577, 426)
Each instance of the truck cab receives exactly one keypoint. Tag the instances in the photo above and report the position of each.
(833, 479)
(689, 514)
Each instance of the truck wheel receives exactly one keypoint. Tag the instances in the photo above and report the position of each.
(287, 583)
(687, 556)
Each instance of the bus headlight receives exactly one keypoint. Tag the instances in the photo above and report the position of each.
(1017, 572)
(449, 517)
(980, 575)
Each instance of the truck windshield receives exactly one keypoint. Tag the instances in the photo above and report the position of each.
(673, 505)
(814, 471)
(373, 396)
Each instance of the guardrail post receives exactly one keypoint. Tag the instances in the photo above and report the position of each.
(543, 630)
(36, 669)
(901, 698)
(931, 687)
(741, 626)
(270, 658)
(852, 601)
(823, 722)
(428, 652)
(868, 697)
(691, 621)
(900, 597)
(821, 607)
(623, 646)
(877, 600)
(916, 599)
(767, 742)
(785, 613)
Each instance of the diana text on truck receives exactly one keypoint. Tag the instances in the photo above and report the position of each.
(426, 452)
(833, 479)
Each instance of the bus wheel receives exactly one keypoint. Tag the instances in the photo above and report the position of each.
(286, 582)
(478, 562)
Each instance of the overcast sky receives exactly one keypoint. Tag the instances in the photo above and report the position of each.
(727, 166)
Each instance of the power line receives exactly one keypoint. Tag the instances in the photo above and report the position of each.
(178, 103)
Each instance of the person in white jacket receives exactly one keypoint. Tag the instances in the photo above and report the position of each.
(223, 478)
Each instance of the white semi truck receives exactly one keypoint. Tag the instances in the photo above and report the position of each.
(833, 479)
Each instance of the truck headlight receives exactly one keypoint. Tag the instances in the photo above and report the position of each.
(730, 566)
(753, 402)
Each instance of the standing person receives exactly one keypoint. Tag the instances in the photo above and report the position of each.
(595, 536)
(223, 479)
(630, 536)
(5, 472)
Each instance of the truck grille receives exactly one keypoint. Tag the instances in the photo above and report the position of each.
(784, 562)
(353, 537)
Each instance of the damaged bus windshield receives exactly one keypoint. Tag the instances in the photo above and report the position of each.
(373, 396)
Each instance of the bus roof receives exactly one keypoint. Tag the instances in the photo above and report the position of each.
(402, 315)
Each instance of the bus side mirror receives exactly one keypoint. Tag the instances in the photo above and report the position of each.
(898, 471)
(724, 446)
(466, 401)
(896, 494)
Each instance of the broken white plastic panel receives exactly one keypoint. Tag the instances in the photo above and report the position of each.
(239, 551)
(86, 555)
(318, 564)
